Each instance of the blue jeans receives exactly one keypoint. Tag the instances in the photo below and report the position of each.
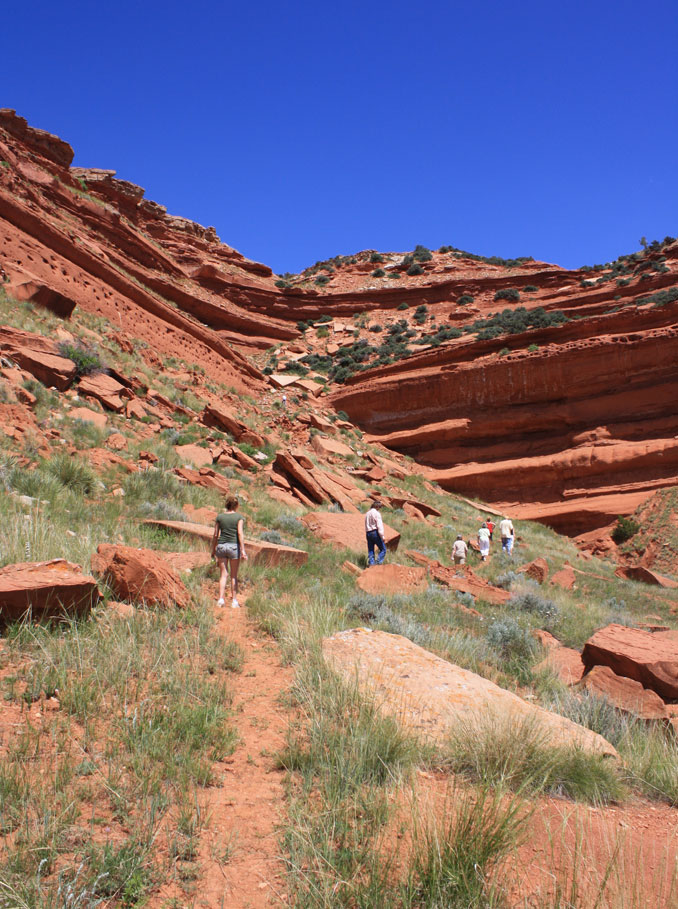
(373, 539)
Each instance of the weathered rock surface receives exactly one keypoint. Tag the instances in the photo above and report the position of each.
(651, 659)
(140, 575)
(37, 356)
(346, 530)
(194, 454)
(645, 576)
(565, 578)
(538, 570)
(429, 695)
(565, 663)
(462, 579)
(626, 694)
(392, 578)
(105, 389)
(45, 589)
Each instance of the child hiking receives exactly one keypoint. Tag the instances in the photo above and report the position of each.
(374, 532)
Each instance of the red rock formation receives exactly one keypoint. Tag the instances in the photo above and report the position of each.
(651, 659)
(44, 589)
(626, 694)
(140, 575)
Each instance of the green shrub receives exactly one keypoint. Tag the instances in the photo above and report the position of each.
(376, 257)
(465, 300)
(376, 327)
(302, 326)
(422, 254)
(530, 289)
(532, 348)
(86, 358)
(516, 321)
(504, 351)
(420, 314)
(322, 280)
(624, 529)
(546, 610)
(402, 306)
(282, 284)
(510, 294)
(378, 273)
(415, 270)
(72, 472)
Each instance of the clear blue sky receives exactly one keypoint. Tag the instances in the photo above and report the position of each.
(301, 130)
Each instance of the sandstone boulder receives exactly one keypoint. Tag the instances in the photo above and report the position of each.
(429, 695)
(651, 659)
(205, 477)
(645, 576)
(89, 416)
(44, 296)
(346, 530)
(106, 390)
(37, 356)
(330, 447)
(564, 578)
(538, 570)
(391, 579)
(300, 477)
(140, 575)
(194, 454)
(462, 579)
(45, 589)
(218, 415)
(627, 695)
(565, 663)
(259, 552)
(400, 502)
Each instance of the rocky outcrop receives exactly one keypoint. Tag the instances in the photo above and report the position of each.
(140, 575)
(346, 530)
(429, 695)
(462, 579)
(647, 658)
(45, 589)
(392, 579)
(625, 694)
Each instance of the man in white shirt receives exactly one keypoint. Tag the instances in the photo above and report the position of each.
(507, 535)
(374, 531)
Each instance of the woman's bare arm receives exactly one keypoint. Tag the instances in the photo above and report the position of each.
(241, 541)
(215, 537)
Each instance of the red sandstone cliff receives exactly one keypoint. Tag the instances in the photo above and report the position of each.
(571, 424)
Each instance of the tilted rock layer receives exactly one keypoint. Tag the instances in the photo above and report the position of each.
(572, 424)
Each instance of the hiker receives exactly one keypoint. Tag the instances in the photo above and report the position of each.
(228, 547)
(507, 535)
(484, 542)
(490, 526)
(459, 550)
(284, 402)
(374, 531)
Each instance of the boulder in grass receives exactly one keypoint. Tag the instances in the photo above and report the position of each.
(346, 530)
(429, 695)
(538, 570)
(651, 659)
(565, 663)
(141, 575)
(45, 589)
(627, 695)
(392, 579)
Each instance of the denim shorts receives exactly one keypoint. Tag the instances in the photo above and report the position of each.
(228, 551)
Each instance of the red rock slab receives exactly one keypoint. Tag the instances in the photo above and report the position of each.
(224, 419)
(413, 512)
(627, 695)
(321, 423)
(135, 410)
(299, 476)
(242, 459)
(104, 389)
(334, 490)
(194, 454)
(392, 578)
(308, 385)
(259, 552)
(346, 530)
(650, 659)
(284, 497)
(208, 479)
(564, 578)
(538, 570)
(116, 441)
(466, 582)
(44, 296)
(36, 355)
(139, 575)
(49, 589)
(645, 576)
(330, 447)
(185, 561)
(89, 416)
(204, 515)
(101, 459)
(565, 663)
(545, 638)
(401, 501)
(302, 458)
(428, 694)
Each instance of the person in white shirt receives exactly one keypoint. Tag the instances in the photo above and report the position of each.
(507, 535)
(374, 531)
(484, 542)
(459, 550)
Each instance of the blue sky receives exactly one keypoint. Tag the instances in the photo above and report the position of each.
(303, 130)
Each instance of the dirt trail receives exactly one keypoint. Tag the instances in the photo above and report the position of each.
(239, 856)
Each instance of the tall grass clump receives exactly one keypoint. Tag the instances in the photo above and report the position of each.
(519, 754)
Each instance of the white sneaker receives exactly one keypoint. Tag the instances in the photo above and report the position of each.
(221, 602)
(235, 604)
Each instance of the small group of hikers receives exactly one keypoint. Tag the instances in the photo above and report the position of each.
(460, 547)
(228, 543)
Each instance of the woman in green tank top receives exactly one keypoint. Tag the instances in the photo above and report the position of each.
(228, 547)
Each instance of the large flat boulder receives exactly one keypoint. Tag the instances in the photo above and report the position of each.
(330, 447)
(651, 659)
(45, 589)
(139, 575)
(205, 477)
(401, 501)
(429, 695)
(300, 477)
(565, 663)
(392, 578)
(346, 530)
(194, 454)
(645, 576)
(627, 695)
(258, 551)
(106, 390)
